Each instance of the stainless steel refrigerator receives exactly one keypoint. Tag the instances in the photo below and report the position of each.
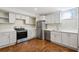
(40, 26)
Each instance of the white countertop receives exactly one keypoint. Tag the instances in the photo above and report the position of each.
(48, 29)
(69, 31)
(6, 30)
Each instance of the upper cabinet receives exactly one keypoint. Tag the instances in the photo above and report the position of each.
(29, 20)
(50, 18)
(23, 17)
(53, 18)
(19, 16)
(12, 18)
(40, 17)
(43, 17)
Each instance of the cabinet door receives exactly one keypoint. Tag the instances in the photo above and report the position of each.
(65, 39)
(4, 38)
(53, 18)
(69, 39)
(56, 37)
(11, 18)
(73, 40)
(18, 16)
(49, 19)
(33, 33)
(30, 34)
(23, 17)
(27, 21)
(12, 37)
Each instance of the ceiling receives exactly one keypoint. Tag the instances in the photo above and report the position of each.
(43, 10)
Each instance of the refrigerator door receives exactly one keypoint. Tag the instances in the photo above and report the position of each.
(40, 26)
(39, 33)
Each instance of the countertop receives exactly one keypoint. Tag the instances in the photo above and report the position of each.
(68, 31)
(6, 30)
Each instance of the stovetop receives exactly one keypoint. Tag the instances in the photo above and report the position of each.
(20, 29)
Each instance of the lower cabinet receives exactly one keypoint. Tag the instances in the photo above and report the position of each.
(64, 38)
(56, 37)
(4, 38)
(31, 34)
(12, 37)
(69, 39)
(7, 38)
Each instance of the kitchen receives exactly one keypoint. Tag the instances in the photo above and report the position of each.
(55, 25)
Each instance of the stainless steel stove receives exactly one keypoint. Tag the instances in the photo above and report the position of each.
(21, 34)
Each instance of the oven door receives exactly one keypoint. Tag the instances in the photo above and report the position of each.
(21, 35)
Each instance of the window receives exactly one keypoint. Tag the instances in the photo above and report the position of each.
(66, 15)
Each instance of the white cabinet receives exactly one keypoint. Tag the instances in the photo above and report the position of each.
(18, 16)
(11, 18)
(29, 20)
(65, 38)
(4, 38)
(7, 38)
(42, 17)
(13, 37)
(49, 19)
(23, 17)
(56, 37)
(53, 18)
(31, 33)
(69, 39)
